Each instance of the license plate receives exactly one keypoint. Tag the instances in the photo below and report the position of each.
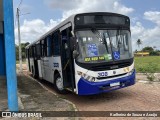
(114, 84)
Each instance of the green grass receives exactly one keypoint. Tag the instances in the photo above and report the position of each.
(147, 64)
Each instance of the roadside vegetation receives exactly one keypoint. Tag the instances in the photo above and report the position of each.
(147, 64)
(23, 61)
(147, 59)
(23, 45)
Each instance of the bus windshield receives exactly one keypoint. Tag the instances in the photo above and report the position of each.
(103, 45)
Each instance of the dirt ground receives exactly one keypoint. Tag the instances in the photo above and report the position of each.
(35, 98)
(139, 97)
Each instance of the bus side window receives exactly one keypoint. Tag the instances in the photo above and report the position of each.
(30, 52)
(29, 49)
(42, 42)
(56, 43)
(33, 52)
(44, 48)
(38, 50)
(26, 51)
(49, 50)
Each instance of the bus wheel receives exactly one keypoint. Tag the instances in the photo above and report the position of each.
(58, 84)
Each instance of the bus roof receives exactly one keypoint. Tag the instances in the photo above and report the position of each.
(70, 19)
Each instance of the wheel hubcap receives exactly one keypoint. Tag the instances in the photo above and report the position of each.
(59, 83)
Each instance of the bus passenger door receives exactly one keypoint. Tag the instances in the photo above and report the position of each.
(67, 60)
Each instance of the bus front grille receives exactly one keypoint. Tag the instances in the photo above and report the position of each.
(111, 66)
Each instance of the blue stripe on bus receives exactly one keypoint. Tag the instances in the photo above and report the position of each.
(88, 88)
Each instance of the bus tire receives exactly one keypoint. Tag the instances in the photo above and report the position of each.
(58, 84)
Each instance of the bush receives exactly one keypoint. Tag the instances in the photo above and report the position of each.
(149, 70)
(154, 53)
(150, 77)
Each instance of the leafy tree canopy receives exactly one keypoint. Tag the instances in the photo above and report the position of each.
(23, 45)
(147, 49)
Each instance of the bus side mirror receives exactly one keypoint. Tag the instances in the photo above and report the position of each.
(73, 43)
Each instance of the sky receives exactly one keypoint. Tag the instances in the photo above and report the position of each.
(39, 16)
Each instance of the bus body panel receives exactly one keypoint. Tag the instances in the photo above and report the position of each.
(47, 72)
(49, 65)
(32, 65)
(57, 66)
(88, 88)
(121, 74)
(39, 68)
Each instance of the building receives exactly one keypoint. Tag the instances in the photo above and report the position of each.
(141, 54)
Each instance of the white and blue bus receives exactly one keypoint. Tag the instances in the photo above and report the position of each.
(88, 53)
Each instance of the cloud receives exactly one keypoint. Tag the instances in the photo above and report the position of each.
(33, 29)
(153, 16)
(121, 8)
(149, 36)
(62, 4)
(78, 6)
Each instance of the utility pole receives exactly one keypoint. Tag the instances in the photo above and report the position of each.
(19, 41)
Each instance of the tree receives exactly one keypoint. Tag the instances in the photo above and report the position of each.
(154, 53)
(148, 49)
(139, 42)
(27, 43)
(151, 51)
(136, 51)
(17, 52)
(154, 47)
(23, 45)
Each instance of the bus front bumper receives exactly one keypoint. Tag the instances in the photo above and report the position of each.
(88, 88)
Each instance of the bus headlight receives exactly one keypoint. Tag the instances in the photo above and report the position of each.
(131, 72)
(86, 77)
(91, 79)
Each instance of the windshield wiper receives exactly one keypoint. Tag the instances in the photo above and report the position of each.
(110, 43)
(98, 35)
(119, 39)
